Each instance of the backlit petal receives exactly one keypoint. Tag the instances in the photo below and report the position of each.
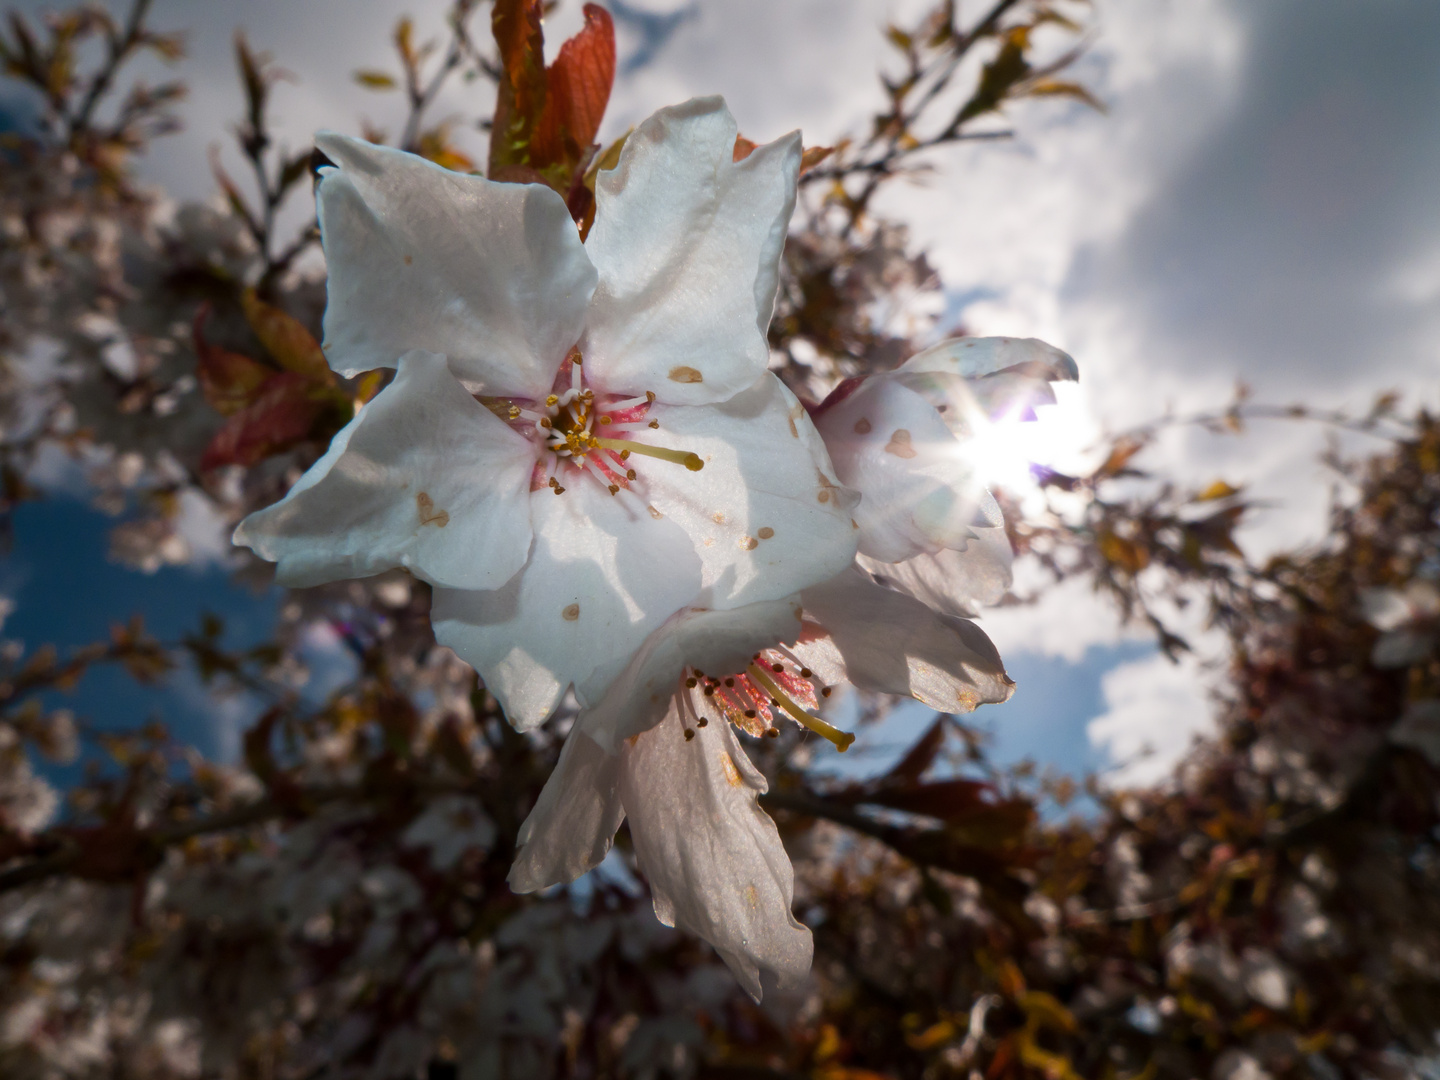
(954, 582)
(713, 858)
(712, 641)
(492, 275)
(894, 644)
(1001, 376)
(766, 513)
(687, 242)
(397, 488)
(918, 492)
(570, 829)
(601, 577)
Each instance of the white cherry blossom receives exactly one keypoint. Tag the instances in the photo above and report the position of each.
(927, 523)
(661, 749)
(581, 438)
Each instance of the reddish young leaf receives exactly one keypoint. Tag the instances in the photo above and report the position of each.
(920, 756)
(229, 380)
(947, 800)
(577, 91)
(520, 97)
(283, 414)
(286, 339)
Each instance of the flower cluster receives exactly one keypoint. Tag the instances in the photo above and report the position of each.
(583, 453)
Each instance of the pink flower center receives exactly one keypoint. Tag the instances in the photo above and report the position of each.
(773, 684)
(582, 433)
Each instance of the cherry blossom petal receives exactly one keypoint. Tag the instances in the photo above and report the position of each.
(687, 242)
(766, 513)
(894, 644)
(713, 858)
(918, 493)
(996, 376)
(571, 827)
(954, 581)
(713, 641)
(602, 575)
(975, 358)
(397, 488)
(492, 275)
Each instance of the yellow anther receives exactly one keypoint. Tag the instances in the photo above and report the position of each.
(514, 412)
(552, 400)
(629, 474)
(605, 420)
(841, 739)
(655, 424)
(545, 423)
(650, 397)
(614, 489)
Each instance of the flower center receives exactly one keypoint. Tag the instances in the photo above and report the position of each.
(587, 434)
(774, 682)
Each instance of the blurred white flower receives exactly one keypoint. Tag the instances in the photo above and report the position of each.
(661, 749)
(927, 523)
(1409, 620)
(581, 438)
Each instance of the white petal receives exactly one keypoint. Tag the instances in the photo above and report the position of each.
(975, 358)
(570, 829)
(954, 582)
(492, 275)
(894, 644)
(918, 494)
(717, 642)
(765, 513)
(687, 242)
(424, 477)
(601, 577)
(998, 376)
(713, 858)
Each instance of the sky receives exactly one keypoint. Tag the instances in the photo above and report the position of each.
(1257, 203)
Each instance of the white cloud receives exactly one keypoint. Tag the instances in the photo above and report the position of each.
(1155, 711)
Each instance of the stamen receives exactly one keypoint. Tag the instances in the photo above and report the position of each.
(841, 739)
(691, 461)
(594, 467)
(551, 400)
(634, 403)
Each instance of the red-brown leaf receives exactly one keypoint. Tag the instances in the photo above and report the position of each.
(577, 91)
(920, 756)
(947, 800)
(520, 97)
(286, 339)
(229, 380)
(283, 414)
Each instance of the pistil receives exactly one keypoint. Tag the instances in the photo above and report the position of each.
(691, 461)
(841, 739)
